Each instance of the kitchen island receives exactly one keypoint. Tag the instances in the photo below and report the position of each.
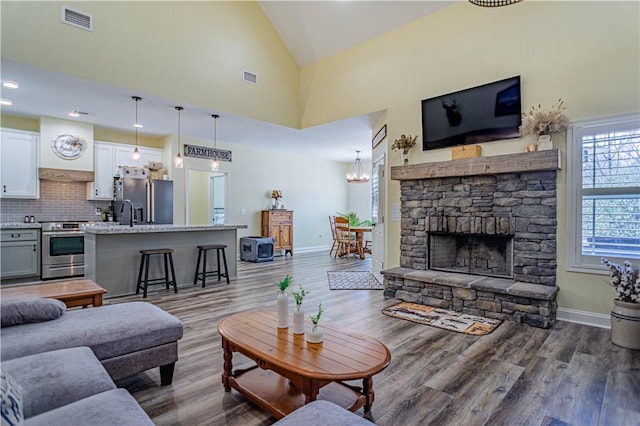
(112, 252)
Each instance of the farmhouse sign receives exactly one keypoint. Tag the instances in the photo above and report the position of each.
(205, 152)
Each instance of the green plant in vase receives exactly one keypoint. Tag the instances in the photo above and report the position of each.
(298, 314)
(315, 335)
(283, 302)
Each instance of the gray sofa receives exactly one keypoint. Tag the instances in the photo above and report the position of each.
(127, 338)
(67, 386)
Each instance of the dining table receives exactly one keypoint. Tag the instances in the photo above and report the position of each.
(359, 231)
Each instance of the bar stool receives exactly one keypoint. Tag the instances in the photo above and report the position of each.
(202, 254)
(144, 266)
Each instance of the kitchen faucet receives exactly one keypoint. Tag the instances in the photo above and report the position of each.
(131, 215)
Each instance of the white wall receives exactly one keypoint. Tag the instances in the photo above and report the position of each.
(313, 189)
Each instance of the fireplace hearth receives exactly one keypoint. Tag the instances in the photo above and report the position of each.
(478, 235)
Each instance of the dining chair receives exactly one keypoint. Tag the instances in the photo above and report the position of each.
(346, 244)
(332, 224)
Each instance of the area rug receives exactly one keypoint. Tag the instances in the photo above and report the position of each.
(442, 318)
(353, 280)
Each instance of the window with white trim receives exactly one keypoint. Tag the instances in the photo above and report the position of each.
(604, 191)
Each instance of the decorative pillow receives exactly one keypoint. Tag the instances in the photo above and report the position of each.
(21, 310)
(11, 411)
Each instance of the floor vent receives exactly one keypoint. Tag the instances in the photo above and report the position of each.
(77, 18)
(249, 77)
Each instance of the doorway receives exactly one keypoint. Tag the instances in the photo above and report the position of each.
(377, 216)
(206, 197)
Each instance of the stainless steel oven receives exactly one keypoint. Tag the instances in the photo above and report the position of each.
(62, 249)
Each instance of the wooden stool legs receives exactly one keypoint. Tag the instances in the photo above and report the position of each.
(203, 273)
(144, 267)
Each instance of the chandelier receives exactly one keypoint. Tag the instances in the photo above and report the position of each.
(357, 175)
(493, 3)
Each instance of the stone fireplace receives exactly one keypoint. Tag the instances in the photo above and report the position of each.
(479, 236)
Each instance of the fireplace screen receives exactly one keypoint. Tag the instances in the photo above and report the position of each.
(472, 254)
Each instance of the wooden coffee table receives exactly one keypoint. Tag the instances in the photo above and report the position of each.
(72, 293)
(293, 372)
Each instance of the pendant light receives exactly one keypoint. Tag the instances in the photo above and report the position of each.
(493, 3)
(357, 175)
(214, 161)
(137, 125)
(178, 163)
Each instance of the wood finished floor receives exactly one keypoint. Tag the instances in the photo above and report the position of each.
(518, 375)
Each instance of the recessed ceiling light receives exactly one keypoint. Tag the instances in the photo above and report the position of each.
(10, 84)
(74, 114)
(6, 102)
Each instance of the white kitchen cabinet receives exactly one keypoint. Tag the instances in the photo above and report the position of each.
(108, 157)
(20, 253)
(19, 163)
(123, 156)
(104, 171)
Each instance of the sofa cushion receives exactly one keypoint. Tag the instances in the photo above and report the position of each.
(22, 310)
(114, 407)
(11, 411)
(322, 413)
(52, 379)
(109, 331)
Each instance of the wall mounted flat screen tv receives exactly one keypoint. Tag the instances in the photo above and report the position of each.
(481, 114)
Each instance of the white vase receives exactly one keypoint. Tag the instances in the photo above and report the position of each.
(315, 335)
(298, 321)
(544, 142)
(625, 324)
(283, 309)
(405, 156)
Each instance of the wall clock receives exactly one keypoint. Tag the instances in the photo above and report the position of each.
(68, 146)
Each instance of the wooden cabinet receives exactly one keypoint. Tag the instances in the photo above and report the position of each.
(20, 253)
(278, 224)
(19, 163)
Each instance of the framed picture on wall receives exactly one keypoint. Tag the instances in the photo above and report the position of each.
(382, 133)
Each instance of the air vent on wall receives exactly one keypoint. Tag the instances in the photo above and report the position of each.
(77, 18)
(249, 77)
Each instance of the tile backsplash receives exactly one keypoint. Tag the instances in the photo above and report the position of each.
(58, 201)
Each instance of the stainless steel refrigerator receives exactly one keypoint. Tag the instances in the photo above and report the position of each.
(152, 201)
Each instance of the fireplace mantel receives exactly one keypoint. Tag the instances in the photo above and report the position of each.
(508, 163)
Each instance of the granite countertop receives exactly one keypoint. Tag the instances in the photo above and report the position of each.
(106, 229)
(20, 225)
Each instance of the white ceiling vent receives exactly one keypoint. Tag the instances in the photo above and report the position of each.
(249, 77)
(77, 18)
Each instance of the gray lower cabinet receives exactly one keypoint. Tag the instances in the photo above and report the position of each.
(19, 253)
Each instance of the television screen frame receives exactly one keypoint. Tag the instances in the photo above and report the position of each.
(484, 113)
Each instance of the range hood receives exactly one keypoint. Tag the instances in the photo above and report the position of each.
(63, 175)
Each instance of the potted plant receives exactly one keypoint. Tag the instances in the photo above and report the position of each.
(625, 315)
(354, 220)
(542, 123)
(315, 335)
(282, 302)
(404, 144)
(298, 314)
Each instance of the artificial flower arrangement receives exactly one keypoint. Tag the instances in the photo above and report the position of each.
(405, 143)
(539, 121)
(276, 193)
(626, 280)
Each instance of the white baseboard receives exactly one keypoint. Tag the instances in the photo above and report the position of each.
(584, 317)
(311, 249)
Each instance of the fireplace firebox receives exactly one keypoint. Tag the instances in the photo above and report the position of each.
(487, 255)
